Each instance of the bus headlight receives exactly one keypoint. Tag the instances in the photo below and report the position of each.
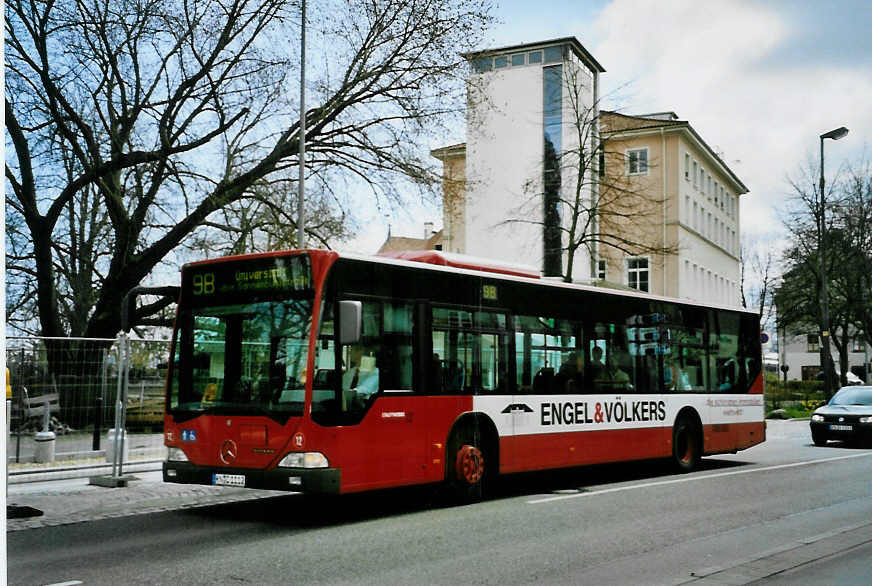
(176, 455)
(304, 460)
(866, 420)
(817, 417)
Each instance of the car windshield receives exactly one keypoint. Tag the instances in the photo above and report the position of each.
(853, 396)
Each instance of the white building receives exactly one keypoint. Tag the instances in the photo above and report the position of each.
(801, 354)
(496, 185)
(517, 104)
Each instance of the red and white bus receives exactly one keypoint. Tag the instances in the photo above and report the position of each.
(321, 372)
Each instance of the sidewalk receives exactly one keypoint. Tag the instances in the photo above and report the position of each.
(59, 494)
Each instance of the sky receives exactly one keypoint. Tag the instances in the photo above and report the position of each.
(758, 80)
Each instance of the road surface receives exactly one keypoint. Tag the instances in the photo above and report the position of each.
(781, 505)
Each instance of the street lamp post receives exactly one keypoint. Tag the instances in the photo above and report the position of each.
(826, 356)
(301, 182)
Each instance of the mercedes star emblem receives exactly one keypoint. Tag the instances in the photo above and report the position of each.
(228, 451)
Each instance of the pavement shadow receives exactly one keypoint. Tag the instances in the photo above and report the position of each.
(22, 512)
(316, 511)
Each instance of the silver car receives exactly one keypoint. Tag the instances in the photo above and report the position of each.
(848, 416)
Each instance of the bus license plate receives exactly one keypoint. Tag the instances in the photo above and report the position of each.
(841, 428)
(229, 479)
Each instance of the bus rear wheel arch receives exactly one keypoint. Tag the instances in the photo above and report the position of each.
(471, 459)
(687, 442)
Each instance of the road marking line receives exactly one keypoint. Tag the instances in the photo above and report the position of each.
(70, 583)
(691, 478)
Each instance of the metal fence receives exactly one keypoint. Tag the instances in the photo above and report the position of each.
(71, 386)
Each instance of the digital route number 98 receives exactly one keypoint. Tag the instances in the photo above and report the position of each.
(204, 284)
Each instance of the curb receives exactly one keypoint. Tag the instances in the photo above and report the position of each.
(82, 471)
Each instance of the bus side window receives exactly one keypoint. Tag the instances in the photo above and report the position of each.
(629, 348)
(548, 358)
(470, 352)
(731, 354)
(382, 359)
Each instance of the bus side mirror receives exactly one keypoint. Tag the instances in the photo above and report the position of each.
(350, 321)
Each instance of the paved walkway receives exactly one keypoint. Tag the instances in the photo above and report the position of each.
(65, 496)
(58, 493)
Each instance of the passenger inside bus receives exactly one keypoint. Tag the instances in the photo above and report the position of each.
(360, 380)
(674, 378)
(596, 363)
(569, 379)
(611, 376)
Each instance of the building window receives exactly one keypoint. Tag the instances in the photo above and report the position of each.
(554, 54)
(482, 64)
(638, 273)
(694, 174)
(552, 78)
(518, 60)
(810, 372)
(695, 217)
(687, 166)
(601, 269)
(859, 344)
(812, 343)
(500, 62)
(534, 57)
(637, 161)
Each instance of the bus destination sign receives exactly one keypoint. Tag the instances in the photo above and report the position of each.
(249, 279)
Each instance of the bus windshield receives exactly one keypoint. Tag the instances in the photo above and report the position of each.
(241, 339)
(242, 358)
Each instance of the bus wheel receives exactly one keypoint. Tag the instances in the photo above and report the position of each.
(466, 467)
(686, 445)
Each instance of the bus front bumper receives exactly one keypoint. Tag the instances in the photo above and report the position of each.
(310, 480)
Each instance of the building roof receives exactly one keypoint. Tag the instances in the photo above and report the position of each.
(449, 151)
(403, 243)
(573, 43)
(614, 123)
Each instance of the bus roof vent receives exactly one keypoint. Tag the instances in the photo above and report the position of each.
(463, 261)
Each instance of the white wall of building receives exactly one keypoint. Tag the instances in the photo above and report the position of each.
(503, 153)
(793, 351)
(504, 157)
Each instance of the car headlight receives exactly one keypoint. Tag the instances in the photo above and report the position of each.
(817, 417)
(176, 455)
(866, 420)
(304, 460)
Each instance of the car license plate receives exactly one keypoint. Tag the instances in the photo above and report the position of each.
(841, 428)
(228, 479)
